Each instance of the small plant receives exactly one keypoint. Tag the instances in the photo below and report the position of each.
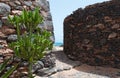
(9, 72)
(30, 46)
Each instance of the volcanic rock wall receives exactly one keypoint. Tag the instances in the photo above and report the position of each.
(92, 34)
(16, 6)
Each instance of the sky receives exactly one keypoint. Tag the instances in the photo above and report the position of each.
(61, 9)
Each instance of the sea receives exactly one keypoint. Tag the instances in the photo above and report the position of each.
(58, 44)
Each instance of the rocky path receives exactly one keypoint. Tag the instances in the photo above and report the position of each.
(66, 68)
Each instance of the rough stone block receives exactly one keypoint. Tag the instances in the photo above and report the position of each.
(92, 34)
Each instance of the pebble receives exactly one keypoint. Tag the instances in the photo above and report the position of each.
(7, 68)
(24, 64)
(86, 41)
(115, 26)
(4, 20)
(12, 38)
(12, 4)
(17, 59)
(17, 12)
(7, 31)
(2, 36)
(28, 3)
(1, 58)
(100, 26)
(19, 8)
(41, 63)
(107, 19)
(1, 46)
(17, 2)
(112, 35)
(4, 9)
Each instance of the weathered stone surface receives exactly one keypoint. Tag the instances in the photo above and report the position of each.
(37, 66)
(85, 71)
(0, 23)
(4, 9)
(6, 52)
(12, 4)
(112, 35)
(16, 7)
(52, 38)
(44, 13)
(28, 3)
(49, 25)
(19, 8)
(115, 26)
(43, 3)
(61, 64)
(92, 35)
(1, 46)
(49, 17)
(2, 36)
(4, 20)
(12, 38)
(46, 62)
(7, 30)
(17, 2)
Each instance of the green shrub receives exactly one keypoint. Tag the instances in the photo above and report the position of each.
(30, 46)
(28, 20)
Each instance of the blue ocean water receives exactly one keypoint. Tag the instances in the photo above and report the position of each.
(58, 44)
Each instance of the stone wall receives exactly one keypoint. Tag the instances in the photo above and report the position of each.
(16, 6)
(92, 34)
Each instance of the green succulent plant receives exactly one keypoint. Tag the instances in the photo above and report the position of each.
(30, 46)
(28, 20)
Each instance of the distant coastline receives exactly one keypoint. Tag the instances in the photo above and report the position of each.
(58, 44)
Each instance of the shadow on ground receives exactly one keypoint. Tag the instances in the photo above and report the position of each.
(78, 69)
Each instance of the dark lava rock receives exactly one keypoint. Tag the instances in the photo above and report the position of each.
(49, 60)
(92, 34)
